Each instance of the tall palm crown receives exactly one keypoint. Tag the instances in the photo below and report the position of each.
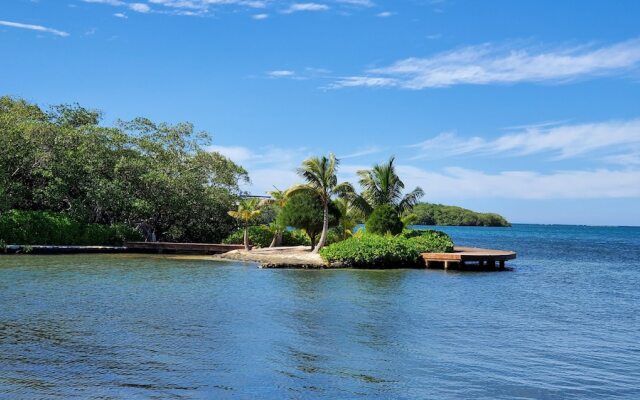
(247, 210)
(320, 176)
(382, 186)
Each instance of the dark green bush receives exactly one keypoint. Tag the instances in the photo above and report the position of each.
(384, 219)
(430, 241)
(261, 236)
(46, 228)
(374, 251)
(378, 251)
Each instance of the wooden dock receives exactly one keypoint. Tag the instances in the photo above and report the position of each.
(182, 248)
(464, 256)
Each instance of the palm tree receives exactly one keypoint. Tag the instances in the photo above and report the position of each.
(382, 185)
(277, 200)
(320, 176)
(247, 211)
(350, 214)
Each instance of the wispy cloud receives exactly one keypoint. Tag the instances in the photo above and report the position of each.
(137, 7)
(298, 7)
(385, 14)
(358, 3)
(459, 183)
(206, 7)
(562, 141)
(491, 64)
(271, 166)
(180, 7)
(120, 15)
(31, 27)
(361, 152)
(282, 73)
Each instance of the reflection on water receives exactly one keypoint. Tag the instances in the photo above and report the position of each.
(563, 324)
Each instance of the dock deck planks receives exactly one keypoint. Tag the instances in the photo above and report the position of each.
(485, 258)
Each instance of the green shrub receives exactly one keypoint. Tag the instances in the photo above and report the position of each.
(430, 241)
(373, 251)
(47, 228)
(384, 219)
(261, 236)
(377, 251)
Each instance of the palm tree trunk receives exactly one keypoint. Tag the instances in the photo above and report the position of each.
(325, 228)
(246, 238)
(274, 240)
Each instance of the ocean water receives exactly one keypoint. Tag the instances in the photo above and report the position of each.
(563, 324)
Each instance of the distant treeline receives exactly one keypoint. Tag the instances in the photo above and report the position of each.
(153, 178)
(439, 214)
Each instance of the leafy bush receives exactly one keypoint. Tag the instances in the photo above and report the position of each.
(46, 228)
(366, 250)
(430, 241)
(261, 236)
(373, 251)
(384, 219)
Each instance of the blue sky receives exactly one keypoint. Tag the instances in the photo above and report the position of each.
(527, 108)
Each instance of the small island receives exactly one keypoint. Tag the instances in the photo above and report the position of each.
(67, 181)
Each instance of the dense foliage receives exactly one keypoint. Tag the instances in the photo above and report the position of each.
(40, 227)
(304, 210)
(373, 251)
(156, 178)
(384, 219)
(430, 241)
(438, 214)
(261, 236)
(384, 251)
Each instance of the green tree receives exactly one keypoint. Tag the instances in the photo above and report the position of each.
(155, 177)
(305, 210)
(320, 176)
(247, 212)
(384, 219)
(382, 186)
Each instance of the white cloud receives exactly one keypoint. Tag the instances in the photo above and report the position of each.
(297, 7)
(120, 15)
(283, 73)
(459, 183)
(272, 166)
(385, 14)
(361, 152)
(140, 7)
(237, 154)
(487, 64)
(565, 141)
(38, 28)
(359, 3)
(204, 7)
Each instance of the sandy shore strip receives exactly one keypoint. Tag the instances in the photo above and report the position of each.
(278, 257)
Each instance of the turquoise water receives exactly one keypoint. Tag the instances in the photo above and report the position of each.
(565, 323)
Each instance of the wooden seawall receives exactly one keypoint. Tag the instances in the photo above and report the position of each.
(461, 256)
(167, 247)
